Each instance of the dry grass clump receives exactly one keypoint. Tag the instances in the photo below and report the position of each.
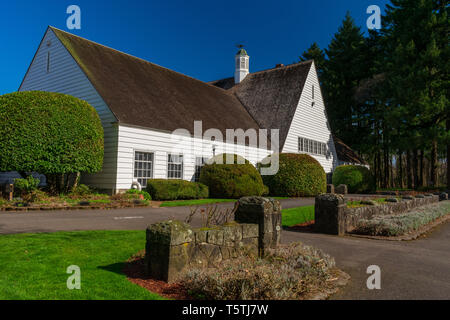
(287, 273)
(396, 225)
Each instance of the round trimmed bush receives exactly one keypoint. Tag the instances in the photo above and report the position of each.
(49, 133)
(358, 179)
(232, 180)
(299, 175)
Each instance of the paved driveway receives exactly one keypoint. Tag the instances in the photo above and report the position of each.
(417, 269)
(118, 219)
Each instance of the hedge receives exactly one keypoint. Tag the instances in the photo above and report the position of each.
(49, 133)
(162, 190)
(299, 175)
(232, 181)
(357, 178)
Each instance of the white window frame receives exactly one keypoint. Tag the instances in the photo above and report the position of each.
(182, 166)
(199, 166)
(313, 147)
(143, 161)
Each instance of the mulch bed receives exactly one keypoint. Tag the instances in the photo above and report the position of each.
(302, 227)
(135, 271)
(90, 207)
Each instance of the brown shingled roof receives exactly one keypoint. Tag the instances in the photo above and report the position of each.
(144, 94)
(345, 153)
(271, 96)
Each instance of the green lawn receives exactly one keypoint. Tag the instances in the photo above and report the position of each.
(33, 266)
(186, 203)
(295, 216)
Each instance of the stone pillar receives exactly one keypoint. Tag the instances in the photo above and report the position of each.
(266, 213)
(167, 249)
(342, 189)
(330, 188)
(330, 214)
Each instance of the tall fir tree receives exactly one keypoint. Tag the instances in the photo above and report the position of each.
(417, 72)
(345, 68)
(315, 53)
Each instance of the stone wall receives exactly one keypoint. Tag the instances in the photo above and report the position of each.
(333, 217)
(173, 245)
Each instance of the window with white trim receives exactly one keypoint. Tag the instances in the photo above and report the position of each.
(143, 167)
(175, 166)
(313, 147)
(199, 163)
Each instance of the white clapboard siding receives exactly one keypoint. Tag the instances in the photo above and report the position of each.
(65, 76)
(133, 139)
(311, 122)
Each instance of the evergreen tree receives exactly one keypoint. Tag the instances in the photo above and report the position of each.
(417, 72)
(345, 68)
(315, 53)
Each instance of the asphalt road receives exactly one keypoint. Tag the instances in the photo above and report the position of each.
(417, 269)
(118, 219)
(410, 270)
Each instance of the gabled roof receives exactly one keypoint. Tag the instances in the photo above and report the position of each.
(346, 154)
(143, 94)
(271, 96)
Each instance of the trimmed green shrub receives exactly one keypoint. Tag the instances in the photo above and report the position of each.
(145, 194)
(357, 178)
(232, 181)
(25, 186)
(299, 175)
(160, 189)
(49, 133)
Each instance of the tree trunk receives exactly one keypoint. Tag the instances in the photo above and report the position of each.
(421, 180)
(408, 170)
(415, 169)
(448, 156)
(434, 164)
(400, 170)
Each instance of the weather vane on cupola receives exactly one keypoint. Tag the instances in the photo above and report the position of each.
(242, 64)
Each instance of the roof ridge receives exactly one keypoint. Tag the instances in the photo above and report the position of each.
(268, 70)
(137, 58)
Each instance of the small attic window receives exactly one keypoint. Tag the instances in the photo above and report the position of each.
(313, 93)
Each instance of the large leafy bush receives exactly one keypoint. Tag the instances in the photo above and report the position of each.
(357, 178)
(160, 190)
(25, 186)
(232, 180)
(49, 133)
(299, 175)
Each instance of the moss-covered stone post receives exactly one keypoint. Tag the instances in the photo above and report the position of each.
(167, 249)
(266, 213)
(330, 214)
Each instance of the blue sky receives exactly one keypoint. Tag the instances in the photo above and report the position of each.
(193, 37)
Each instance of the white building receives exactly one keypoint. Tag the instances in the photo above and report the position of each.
(140, 104)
